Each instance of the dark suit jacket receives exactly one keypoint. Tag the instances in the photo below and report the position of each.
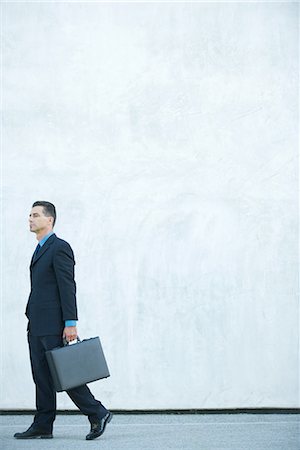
(52, 299)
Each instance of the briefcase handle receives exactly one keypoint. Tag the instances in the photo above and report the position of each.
(65, 342)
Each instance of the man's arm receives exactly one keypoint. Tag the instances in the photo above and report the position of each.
(64, 270)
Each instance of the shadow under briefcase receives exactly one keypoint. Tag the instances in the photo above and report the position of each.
(77, 364)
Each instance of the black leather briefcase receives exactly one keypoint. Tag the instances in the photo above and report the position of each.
(77, 364)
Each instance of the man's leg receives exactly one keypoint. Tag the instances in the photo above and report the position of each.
(45, 393)
(86, 402)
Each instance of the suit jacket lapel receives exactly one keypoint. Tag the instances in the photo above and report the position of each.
(44, 248)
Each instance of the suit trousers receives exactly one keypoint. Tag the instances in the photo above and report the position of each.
(45, 393)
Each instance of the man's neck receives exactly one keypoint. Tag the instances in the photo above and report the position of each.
(40, 235)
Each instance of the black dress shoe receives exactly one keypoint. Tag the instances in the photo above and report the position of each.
(33, 433)
(98, 428)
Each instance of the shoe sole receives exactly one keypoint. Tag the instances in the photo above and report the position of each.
(34, 437)
(107, 421)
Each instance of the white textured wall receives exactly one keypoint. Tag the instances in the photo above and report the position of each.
(166, 134)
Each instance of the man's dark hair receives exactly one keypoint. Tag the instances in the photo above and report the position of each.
(48, 208)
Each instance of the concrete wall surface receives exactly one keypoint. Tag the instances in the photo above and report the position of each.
(167, 136)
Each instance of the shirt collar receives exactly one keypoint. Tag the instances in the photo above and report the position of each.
(42, 241)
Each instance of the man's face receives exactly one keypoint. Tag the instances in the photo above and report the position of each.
(38, 222)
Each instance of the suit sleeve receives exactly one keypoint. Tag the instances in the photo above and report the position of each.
(64, 263)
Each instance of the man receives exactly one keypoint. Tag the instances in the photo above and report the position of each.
(52, 314)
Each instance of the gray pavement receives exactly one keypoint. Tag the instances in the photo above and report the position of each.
(169, 431)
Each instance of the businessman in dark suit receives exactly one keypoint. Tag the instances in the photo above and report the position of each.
(52, 315)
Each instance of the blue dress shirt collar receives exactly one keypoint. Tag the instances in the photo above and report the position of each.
(42, 241)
